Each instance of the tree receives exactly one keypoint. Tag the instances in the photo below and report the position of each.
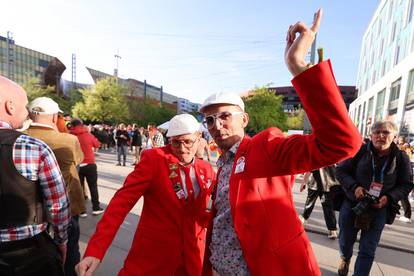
(104, 102)
(35, 90)
(265, 110)
(146, 113)
(295, 121)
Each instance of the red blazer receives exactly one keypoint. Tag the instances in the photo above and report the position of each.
(265, 220)
(170, 237)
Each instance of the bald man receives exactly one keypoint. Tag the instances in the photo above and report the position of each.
(32, 193)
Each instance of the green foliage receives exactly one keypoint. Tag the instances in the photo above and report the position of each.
(145, 113)
(265, 110)
(105, 102)
(295, 121)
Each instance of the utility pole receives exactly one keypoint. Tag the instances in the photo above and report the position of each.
(117, 58)
(10, 55)
(74, 71)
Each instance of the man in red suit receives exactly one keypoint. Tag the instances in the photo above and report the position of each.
(256, 230)
(170, 238)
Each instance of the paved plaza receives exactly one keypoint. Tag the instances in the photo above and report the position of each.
(395, 255)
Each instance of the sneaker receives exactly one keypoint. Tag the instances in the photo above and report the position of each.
(405, 219)
(83, 215)
(343, 268)
(332, 234)
(97, 212)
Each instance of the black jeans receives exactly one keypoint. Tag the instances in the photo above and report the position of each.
(73, 254)
(327, 207)
(405, 203)
(90, 172)
(38, 255)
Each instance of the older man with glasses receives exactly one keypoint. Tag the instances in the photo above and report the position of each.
(170, 238)
(256, 230)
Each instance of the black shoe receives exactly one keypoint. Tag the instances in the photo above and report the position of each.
(119, 164)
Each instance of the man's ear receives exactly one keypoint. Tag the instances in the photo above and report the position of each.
(245, 120)
(10, 107)
(55, 118)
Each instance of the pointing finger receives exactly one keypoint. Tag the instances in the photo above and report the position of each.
(317, 21)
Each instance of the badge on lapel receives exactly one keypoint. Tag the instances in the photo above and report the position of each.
(240, 165)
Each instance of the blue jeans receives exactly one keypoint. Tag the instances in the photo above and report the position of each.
(73, 254)
(368, 241)
(122, 150)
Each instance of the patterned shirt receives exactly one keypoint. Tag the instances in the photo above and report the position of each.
(158, 140)
(35, 161)
(226, 253)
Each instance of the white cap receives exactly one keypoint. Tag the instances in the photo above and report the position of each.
(182, 124)
(223, 98)
(44, 105)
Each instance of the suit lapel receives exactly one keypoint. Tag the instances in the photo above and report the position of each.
(234, 182)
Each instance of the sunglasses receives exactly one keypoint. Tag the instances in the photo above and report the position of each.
(223, 117)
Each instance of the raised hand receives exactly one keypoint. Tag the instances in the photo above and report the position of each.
(298, 46)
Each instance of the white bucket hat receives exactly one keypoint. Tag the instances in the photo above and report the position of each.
(182, 124)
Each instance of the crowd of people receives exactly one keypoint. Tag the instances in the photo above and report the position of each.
(240, 220)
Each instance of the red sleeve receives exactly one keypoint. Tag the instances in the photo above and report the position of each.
(123, 201)
(334, 137)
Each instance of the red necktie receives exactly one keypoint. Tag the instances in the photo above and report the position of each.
(188, 183)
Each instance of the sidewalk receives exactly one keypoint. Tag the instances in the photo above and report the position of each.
(392, 257)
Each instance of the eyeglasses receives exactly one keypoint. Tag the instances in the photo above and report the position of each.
(188, 143)
(223, 117)
(384, 132)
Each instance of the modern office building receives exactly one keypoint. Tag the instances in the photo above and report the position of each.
(139, 89)
(292, 102)
(185, 106)
(385, 81)
(19, 63)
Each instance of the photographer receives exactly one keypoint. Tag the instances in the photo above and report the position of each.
(374, 181)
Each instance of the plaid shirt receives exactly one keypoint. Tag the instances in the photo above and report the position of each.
(158, 140)
(35, 161)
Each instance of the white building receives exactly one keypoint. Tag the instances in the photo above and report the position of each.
(185, 106)
(385, 80)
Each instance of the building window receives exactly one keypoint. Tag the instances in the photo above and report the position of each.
(410, 87)
(395, 90)
(410, 11)
(384, 66)
(380, 105)
(390, 11)
(381, 47)
(394, 27)
(397, 55)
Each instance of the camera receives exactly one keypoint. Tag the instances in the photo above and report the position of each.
(363, 205)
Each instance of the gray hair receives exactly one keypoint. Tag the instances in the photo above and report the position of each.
(387, 124)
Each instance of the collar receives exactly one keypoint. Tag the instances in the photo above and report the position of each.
(41, 125)
(229, 154)
(5, 125)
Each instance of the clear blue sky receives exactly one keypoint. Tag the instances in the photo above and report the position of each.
(192, 47)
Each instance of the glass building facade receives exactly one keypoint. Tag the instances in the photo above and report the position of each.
(20, 63)
(386, 69)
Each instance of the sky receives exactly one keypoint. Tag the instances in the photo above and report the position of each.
(192, 48)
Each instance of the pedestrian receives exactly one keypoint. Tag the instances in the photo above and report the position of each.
(374, 180)
(44, 113)
(170, 238)
(319, 184)
(122, 138)
(32, 195)
(88, 169)
(157, 139)
(405, 202)
(256, 230)
(136, 142)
